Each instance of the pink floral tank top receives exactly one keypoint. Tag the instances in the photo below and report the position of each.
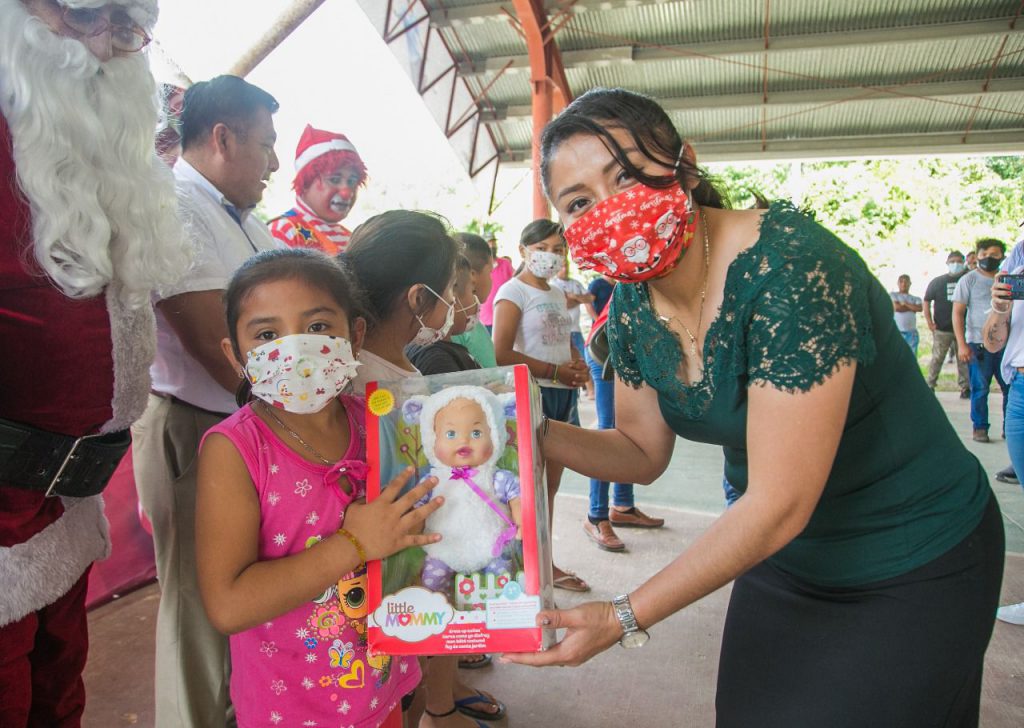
(309, 667)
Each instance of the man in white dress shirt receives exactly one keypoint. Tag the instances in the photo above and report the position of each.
(227, 155)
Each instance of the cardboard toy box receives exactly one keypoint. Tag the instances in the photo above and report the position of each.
(481, 587)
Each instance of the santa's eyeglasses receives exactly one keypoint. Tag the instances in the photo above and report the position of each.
(126, 36)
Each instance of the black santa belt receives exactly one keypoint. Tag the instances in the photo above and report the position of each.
(55, 464)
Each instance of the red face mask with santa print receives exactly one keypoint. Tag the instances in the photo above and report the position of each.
(638, 234)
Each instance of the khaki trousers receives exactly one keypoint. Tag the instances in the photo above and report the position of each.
(192, 660)
(942, 342)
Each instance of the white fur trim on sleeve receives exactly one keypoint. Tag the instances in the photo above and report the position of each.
(39, 571)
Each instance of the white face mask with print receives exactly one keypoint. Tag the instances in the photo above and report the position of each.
(301, 373)
(472, 319)
(428, 335)
(544, 264)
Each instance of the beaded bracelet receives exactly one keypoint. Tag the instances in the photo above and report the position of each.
(358, 547)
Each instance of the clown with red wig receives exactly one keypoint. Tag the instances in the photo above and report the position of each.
(328, 175)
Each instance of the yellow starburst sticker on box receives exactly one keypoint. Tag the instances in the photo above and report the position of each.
(381, 402)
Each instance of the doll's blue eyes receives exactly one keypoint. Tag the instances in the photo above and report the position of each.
(475, 434)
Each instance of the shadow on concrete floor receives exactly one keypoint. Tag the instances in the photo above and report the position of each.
(670, 683)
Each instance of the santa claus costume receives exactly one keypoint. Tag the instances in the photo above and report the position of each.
(89, 229)
(328, 174)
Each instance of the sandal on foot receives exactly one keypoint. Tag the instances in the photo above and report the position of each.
(474, 662)
(464, 704)
(450, 712)
(570, 582)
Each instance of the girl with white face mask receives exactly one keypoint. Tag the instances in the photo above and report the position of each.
(532, 326)
(282, 525)
(405, 261)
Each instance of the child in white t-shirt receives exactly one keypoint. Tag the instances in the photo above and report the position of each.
(532, 326)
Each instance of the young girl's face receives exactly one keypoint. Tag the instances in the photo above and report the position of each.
(291, 306)
(462, 436)
(555, 244)
(438, 305)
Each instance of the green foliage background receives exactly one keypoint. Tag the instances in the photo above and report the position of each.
(901, 214)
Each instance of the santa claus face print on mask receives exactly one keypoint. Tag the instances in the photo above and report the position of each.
(113, 218)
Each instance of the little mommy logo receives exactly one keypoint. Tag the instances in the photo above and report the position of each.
(413, 614)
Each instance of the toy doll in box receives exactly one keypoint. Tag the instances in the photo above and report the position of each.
(481, 586)
(463, 434)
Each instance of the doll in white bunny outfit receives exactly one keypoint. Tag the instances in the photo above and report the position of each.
(463, 434)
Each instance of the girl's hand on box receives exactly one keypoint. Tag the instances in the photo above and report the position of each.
(590, 628)
(392, 522)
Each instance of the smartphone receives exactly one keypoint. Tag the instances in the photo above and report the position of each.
(1016, 284)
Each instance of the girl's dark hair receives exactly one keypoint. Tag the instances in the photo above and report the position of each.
(538, 231)
(307, 265)
(393, 251)
(599, 110)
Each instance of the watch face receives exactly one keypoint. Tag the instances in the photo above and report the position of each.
(634, 639)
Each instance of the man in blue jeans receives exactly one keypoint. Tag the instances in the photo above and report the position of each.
(1004, 332)
(970, 309)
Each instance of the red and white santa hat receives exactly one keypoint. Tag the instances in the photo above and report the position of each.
(319, 151)
(143, 12)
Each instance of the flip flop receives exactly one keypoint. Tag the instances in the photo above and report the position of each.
(467, 662)
(451, 712)
(571, 582)
(464, 704)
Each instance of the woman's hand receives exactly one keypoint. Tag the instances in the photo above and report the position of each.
(392, 522)
(590, 628)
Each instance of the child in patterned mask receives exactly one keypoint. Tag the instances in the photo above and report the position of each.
(281, 518)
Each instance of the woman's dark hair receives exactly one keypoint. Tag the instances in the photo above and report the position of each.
(279, 264)
(538, 231)
(226, 100)
(476, 249)
(393, 251)
(599, 110)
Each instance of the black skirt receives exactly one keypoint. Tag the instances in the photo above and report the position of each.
(906, 652)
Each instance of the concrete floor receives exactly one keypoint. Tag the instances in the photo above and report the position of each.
(670, 683)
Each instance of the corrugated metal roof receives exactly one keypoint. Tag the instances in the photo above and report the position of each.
(746, 78)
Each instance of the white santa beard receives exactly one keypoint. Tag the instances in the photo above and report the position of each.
(103, 206)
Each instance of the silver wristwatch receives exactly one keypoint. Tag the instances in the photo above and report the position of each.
(632, 634)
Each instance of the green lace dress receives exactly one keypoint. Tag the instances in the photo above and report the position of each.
(798, 304)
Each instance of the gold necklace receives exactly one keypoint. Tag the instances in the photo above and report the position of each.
(294, 434)
(703, 292)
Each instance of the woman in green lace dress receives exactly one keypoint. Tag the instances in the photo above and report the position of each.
(867, 555)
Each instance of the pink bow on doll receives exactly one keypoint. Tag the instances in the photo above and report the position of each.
(466, 474)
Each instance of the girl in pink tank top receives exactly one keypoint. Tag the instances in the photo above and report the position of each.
(282, 529)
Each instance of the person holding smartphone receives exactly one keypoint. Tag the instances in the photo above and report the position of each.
(970, 302)
(1004, 332)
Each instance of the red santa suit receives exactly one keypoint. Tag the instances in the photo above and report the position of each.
(72, 367)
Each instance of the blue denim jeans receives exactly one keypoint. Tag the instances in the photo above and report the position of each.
(912, 338)
(604, 398)
(982, 367)
(1014, 423)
